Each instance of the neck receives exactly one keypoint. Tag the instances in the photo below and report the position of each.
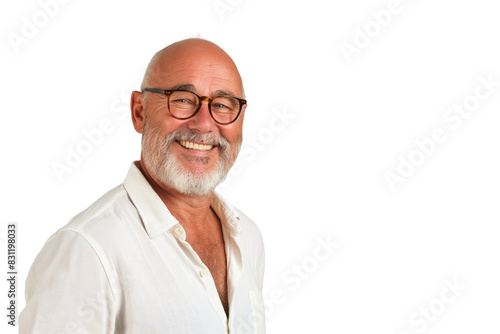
(190, 211)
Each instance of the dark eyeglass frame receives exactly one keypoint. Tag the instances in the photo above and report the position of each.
(168, 92)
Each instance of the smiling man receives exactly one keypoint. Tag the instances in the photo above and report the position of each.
(162, 253)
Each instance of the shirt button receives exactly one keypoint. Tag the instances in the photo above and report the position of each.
(203, 273)
(178, 231)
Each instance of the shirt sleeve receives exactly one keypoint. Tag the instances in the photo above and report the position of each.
(67, 290)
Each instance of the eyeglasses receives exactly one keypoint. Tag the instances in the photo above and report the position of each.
(184, 104)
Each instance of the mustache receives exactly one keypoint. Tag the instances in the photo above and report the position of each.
(205, 138)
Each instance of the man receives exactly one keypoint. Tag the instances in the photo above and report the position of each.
(161, 253)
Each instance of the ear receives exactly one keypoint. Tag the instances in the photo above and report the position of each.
(138, 110)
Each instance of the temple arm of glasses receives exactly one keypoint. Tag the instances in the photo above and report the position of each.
(154, 90)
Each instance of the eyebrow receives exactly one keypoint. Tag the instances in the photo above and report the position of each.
(192, 88)
(183, 87)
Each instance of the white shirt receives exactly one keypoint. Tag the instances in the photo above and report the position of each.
(123, 266)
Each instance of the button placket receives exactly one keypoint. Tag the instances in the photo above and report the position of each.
(200, 269)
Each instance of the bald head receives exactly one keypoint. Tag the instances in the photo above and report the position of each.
(196, 53)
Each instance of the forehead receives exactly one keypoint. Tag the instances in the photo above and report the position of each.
(206, 69)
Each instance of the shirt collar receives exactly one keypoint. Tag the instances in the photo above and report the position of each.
(154, 213)
(228, 216)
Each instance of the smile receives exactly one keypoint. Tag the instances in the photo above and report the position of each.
(194, 146)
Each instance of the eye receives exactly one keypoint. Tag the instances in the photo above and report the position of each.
(219, 105)
(225, 104)
(182, 101)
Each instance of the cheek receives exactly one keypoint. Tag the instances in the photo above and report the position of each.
(159, 117)
(157, 109)
(166, 123)
(232, 134)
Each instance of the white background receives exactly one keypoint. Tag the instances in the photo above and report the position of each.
(319, 176)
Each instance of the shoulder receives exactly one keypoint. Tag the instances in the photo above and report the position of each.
(94, 226)
(103, 215)
(86, 239)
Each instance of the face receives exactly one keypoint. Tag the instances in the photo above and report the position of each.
(192, 156)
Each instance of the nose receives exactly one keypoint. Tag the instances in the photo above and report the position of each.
(202, 122)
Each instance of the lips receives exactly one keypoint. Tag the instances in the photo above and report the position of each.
(194, 146)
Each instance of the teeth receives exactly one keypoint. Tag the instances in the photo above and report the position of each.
(194, 146)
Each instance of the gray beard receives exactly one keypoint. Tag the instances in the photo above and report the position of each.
(163, 164)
